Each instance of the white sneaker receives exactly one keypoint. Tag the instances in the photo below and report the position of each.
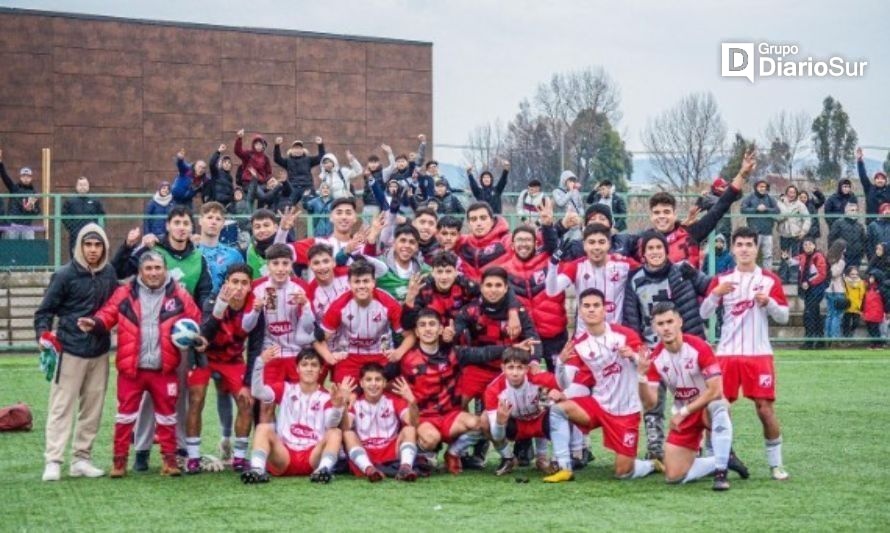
(779, 473)
(84, 468)
(52, 471)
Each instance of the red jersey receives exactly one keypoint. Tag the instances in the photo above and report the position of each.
(684, 373)
(433, 379)
(446, 304)
(226, 336)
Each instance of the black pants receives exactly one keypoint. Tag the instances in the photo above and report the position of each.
(874, 331)
(790, 245)
(551, 347)
(813, 324)
(849, 324)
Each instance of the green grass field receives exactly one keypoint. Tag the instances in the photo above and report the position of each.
(833, 407)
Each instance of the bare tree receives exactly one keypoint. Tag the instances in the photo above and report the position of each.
(486, 145)
(787, 131)
(686, 141)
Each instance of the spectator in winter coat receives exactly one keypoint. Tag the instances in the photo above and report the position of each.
(444, 201)
(605, 194)
(835, 206)
(814, 204)
(875, 307)
(27, 207)
(407, 164)
(812, 282)
(374, 172)
(298, 165)
(762, 204)
(567, 197)
(876, 192)
(709, 199)
(339, 179)
(156, 211)
(529, 202)
(189, 182)
(255, 159)
(80, 206)
(878, 230)
(723, 259)
(273, 195)
(881, 259)
(486, 190)
(220, 186)
(241, 212)
(854, 289)
(320, 209)
(851, 230)
(834, 294)
(794, 224)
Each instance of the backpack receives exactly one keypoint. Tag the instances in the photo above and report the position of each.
(16, 418)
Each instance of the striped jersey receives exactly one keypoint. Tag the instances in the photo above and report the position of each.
(378, 424)
(288, 324)
(301, 416)
(610, 278)
(684, 373)
(368, 329)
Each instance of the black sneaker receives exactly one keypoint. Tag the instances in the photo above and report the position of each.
(736, 465)
(422, 466)
(140, 463)
(472, 462)
(322, 475)
(522, 451)
(507, 465)
(720, 481)
(587, 456)
(249, 477)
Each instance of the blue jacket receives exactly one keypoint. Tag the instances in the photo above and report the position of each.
(157, 226)
(315, 205)
(182, 189)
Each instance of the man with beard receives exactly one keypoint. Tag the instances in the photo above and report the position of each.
(488, 241)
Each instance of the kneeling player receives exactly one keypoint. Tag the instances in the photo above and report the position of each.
(688, 368)
(514, 411)
(307, 437)
(382, 428)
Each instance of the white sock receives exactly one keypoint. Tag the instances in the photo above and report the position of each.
(721, 438)
(541, 446)
(407, 453)
(642, 468)
(576, 441)
(504, 450)
(328, 460)
(463, 442)
(193, 446)
(773, 451)
(359, 457)
(241, 444)
(560, 435)
(258, 460)
(701, 467)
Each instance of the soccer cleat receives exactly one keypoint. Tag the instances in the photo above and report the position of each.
(193, 466)
(140, 463)
(225, 450)
(779, 473)
(84, 468)
(736, 465)
(170, 467)
(508, 464)
(52, 471)
(373, 474)
(239, 464)
(119, 467)
(322, 475)
(472, 462)
(406, 473)
(249, 477)
(587, 456)
(658, 465)
(453, 463)
(560, 476)
(423, 465)
(546, 466)
(522, 450)
(720, 481)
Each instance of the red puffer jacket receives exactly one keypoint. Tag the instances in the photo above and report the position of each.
(528, 281)
(477, 253)
(124, 310)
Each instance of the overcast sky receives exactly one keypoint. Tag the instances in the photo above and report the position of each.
(489, 55)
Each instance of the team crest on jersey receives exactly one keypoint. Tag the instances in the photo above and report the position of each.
(757, 288)
(742, 307)
(386, 413)
(766, 380)
(377, 317)
(630, 439)
(614, 276)
(169, 306)
(171, 389)
(490, 249)
(690, 364)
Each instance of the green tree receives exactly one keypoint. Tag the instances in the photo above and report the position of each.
(887, 164)
(834, 140)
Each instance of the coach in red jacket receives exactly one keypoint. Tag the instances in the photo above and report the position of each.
(145, 311)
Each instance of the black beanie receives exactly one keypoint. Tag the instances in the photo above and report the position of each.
(648, 235)
(602, 209)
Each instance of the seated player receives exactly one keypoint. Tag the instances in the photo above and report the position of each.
(603, 352)
(514, 410)
(382, 434)
(225, 358)
(688, 368)
(306, 437)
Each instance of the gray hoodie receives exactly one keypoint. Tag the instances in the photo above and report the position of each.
(149, 327)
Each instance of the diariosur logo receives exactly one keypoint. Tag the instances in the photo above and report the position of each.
(777, 60)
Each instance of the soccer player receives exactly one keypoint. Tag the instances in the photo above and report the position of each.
(688, 368)
(488, 241)
(306, 437)
(402, 260)
(605, 353)
(599, 270)
(343, 218)
(748, 295)
(514, 410)
(425, 221)
(222, 327)
(382, 428)
(448, 235)
(263, 230)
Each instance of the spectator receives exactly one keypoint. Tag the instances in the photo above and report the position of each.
(708, 200)
(431, 171)
(812, 282)
(621, 243)
(850, 230)
(567, 197)
(881, 259)
(874, 307)
(486, 190)
(220, 187)
(26, 207)
(298, 165)
(876, 193)
(794, 223)
(605, 194)
(273, 194)
(338, 179)
(854, 289)
(241, 211)
(320, 209)
(189, 182)
(375, 173)
(444, 201)
(761, 204)
(529, 202)
(156, 211)
(878, 230)
(407, 164)
(255, 159)
(835, 294)
(813, 204)
(723, 260)
(836, 205)
(80, 206)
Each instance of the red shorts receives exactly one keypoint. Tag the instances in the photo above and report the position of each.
(231, 376)
(690, 432)
(298, 464)
(620, 432)
(284, 369)
(754, 374)
(473, 381)
(352, 366)
(379, 456)
(442, 423)
(529, 429)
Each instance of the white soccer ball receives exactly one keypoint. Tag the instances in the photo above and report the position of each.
(184, 333)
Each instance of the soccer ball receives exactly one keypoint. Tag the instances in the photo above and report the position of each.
(184, 332)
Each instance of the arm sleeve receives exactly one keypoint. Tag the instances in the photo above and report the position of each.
(631, 316)
(254, 348)
(239, 151)
(620, 213)
(205, 284)
(502, 182)
(213, 165)
(276, 155)
(478, 355)
(778, 304)
(10, 186)
(557, 281)
(421, 151)
(550, 239)
(704, 226)
(863, 177)
(258, 388)
(315, 160)
(43, 316)
(711, 302)
(477, 191)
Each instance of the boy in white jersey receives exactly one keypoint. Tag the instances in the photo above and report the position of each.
(382, 428)
(606, 353)
(306, 437)
(599, 270)
(749, 295)
(688, 368)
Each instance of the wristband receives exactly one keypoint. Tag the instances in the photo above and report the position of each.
(642, 378)
(219, 308)
(684, 411)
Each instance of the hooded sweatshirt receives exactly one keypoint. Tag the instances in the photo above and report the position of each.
(156, 212)
(298, 166)
(763, 225)
(258, 161)
(565, 199)
(339, 179)
(874, 195)
(489, 193)
(836, 204)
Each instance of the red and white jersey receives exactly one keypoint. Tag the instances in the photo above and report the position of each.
(301, 417)
(684, 373)
(289, 325)
(364, 328)
(378, 424)
(524, 399)
(610, 278)
(613, 377)
(745, 324)
(322, 296)
(301, 250)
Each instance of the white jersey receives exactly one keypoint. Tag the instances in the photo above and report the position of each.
(288, 324)
(610, 278)
(378, 424)
(615, 385)
(525, 400)
(322, 296)
(301, 417)
(684, 373)
(301, 249)
(368, 329)
(745, 329)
